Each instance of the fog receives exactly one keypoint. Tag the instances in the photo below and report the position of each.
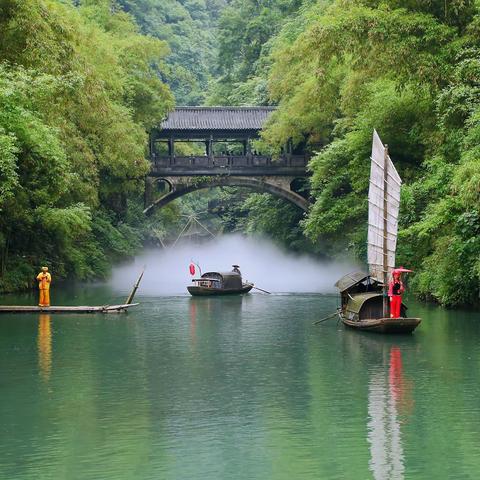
(261, 262)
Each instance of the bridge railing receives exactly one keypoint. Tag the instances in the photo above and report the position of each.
(234, 161)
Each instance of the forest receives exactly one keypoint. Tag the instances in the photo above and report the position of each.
(81, 83)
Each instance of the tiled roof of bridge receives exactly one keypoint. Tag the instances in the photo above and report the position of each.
(217, 118)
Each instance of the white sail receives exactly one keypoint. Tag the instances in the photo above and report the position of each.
(383, 207)
(384, 435)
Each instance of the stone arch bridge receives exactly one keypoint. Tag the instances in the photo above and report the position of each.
(203, 147)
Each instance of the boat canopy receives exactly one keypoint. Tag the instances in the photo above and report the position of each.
(350, 280)
(229, 279)
(356, 302)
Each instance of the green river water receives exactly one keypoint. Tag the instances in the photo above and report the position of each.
(235, 388)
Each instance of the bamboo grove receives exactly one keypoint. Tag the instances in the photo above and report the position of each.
(339, 69)
(79, 88)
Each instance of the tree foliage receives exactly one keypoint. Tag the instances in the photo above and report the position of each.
(80, 85)
(189, 28)
(78, 88)
(245, 31)
(411, 71)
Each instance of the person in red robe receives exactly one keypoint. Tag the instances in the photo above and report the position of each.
(395, 291)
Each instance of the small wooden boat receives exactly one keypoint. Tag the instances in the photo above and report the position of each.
(66, 309)
(219, 283)
(362, 306)
(365, 304)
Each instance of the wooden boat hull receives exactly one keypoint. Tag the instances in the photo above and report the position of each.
(205, 291)
(384, 325)
(66, 309)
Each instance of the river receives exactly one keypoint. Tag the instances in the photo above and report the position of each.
(235, 388)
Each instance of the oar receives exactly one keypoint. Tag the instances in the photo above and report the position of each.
(325, 319)
(264, 291)
(135, 288)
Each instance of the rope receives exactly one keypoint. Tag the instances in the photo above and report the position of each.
(180, 234)
(204, 227)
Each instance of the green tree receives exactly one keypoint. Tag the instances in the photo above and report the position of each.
(411, 72)
(189, 28)
(245, 31)
(78, 88)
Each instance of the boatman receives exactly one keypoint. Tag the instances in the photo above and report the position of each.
(236, 269)
(395, 291)
(44, 279)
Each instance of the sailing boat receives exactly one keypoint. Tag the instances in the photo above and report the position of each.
(364, 300)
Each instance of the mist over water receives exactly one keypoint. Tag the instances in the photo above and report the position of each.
(261, 262)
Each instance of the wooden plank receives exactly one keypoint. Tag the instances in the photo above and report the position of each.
(66, 309)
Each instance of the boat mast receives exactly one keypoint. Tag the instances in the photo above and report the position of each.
(385, 231)
(383, 209)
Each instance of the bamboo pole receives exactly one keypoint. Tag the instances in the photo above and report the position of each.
(385, 231)
(264, 291)
(325, 318)
(135, 288)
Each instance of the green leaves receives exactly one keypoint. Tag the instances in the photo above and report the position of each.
(188, 29)
(245, 32)
(411, 71)
(8, 167)
(78, 89)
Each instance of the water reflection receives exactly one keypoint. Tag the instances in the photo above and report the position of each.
(388, 397)
(211, 309)
(400, 387)
(207, 316)
(44, 343)
(261, 395)
(193, 322)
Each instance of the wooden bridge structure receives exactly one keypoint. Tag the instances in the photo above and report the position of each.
(204, 147)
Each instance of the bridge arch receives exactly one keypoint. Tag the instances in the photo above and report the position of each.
(180, 186)
(225, 153)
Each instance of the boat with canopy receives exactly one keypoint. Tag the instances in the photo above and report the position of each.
(364, 299)
(219, 283)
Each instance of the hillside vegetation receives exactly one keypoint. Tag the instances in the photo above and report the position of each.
(188, 27)
(79, 87)
(339, 69)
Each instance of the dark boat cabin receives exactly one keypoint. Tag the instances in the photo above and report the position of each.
(219, 283)
(362, 297)
(355, 283)
(222, 280)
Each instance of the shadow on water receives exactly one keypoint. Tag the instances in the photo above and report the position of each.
(389, 395)
(208, 314)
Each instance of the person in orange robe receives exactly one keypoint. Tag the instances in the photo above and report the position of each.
(44, 279)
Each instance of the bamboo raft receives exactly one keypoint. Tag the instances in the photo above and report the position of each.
(77, 309)
(64, 309)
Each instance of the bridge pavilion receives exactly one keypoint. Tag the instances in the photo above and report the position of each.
(204, 147)
(220, 137)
